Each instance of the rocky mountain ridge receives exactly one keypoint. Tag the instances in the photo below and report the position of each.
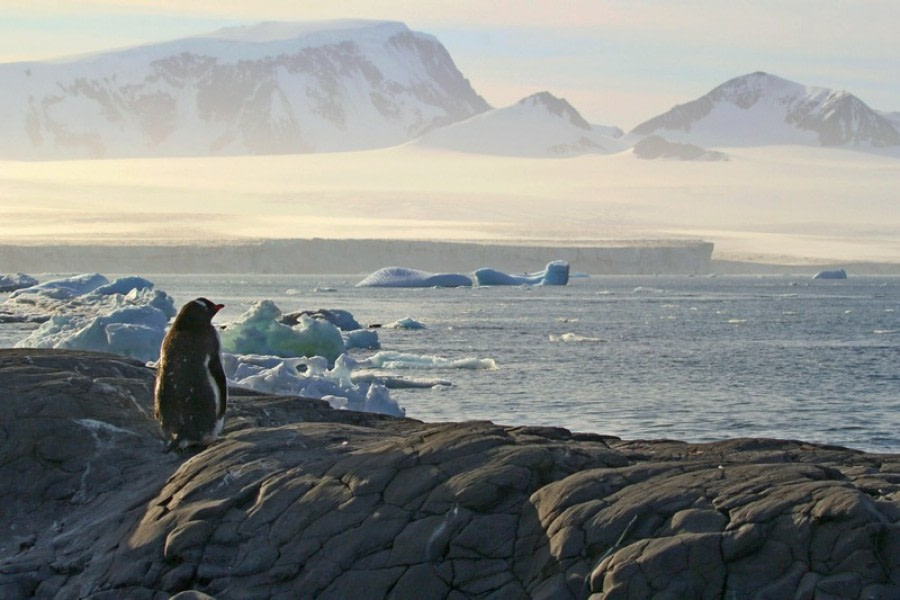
(286, 88)
(347, 86)
(760, 108)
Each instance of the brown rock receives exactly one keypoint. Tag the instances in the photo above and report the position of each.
(299, 500)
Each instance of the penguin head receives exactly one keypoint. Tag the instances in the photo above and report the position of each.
(197, 313)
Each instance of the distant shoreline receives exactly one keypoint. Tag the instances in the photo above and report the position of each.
(323, 256)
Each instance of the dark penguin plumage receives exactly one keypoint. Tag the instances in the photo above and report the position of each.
(191, 391)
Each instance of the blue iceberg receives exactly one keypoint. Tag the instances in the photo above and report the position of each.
(402, 277)
(260, 331)
(556, 273)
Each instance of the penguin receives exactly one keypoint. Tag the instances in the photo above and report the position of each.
(191, 391)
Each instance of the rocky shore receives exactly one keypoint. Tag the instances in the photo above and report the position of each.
(298, 500)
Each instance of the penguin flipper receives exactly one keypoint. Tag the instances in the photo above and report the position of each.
(218, 375)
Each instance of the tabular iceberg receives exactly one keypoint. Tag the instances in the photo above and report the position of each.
(402, 277)
(556, 273)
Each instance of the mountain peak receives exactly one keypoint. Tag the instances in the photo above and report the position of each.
(540, 125)
(760, 108)
(270, 88)
(556, 106)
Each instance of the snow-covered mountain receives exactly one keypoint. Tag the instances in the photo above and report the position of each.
(540, 125)
(269, 88)
(893, 117)
(762, 109)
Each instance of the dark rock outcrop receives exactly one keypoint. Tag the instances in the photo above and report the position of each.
(301, 501)
(653, 147)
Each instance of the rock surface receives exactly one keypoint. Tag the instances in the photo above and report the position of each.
(301, 501)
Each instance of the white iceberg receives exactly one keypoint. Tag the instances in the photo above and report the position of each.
(260, 331)
(135, 331)
(361, 338)
(11, 283)
(87, 312)
(277, 375)
(341, 319)
(402, 277)
(65, 288)
(556, 273)
(405, 323)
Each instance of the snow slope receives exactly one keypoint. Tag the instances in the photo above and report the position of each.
(266, 89)
(540, 125)
(771, 204)
(762, 109)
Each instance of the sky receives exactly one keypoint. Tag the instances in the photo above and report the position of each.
(619, 62)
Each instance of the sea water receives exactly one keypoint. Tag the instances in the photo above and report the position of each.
(689, 358)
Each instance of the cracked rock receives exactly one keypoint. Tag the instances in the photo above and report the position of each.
(298, 500)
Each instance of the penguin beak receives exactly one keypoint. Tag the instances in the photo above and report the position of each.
(218, 307)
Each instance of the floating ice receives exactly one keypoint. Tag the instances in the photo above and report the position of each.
(831, 274)
(556, 273)
(86, 312)
(405, 323)
(341, 319)
(260, 331)
(277, 375)
(362, 338)
(402, 277)
(62, 289)
(388, 359)
(124, 285)
(11, 283)
(573, 337)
